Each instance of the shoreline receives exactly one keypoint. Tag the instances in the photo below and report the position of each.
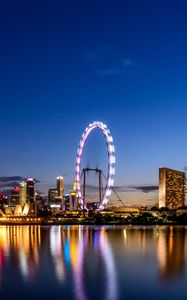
(48, 222)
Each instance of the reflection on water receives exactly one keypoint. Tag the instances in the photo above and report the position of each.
(82, 262)
(69, 248)
(22, 244)
(171, 252)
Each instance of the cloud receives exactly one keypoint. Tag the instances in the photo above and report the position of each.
(10, 178)
(128, 188)
(117, 67)
(106, 61)
(9, 182)
(132, 188)
(122, 189)
(146, 189)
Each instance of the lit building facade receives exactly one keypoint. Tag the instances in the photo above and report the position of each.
(73, 195)
(30, 191)
(67, 203)
(39, 200)
(52, 194)
(172, 188)
(23, 193)
(60, 186)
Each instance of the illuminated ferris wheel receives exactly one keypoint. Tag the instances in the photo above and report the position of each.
(80, 187)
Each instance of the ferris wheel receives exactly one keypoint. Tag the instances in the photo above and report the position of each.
(104, 197)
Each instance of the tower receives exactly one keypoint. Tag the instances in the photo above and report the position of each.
(23, 193)
(60, 187)
(30, 190)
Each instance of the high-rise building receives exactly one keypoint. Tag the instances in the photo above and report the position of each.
(60, 186)
(73, 199)
(52, 194)
(23, 193)
(67, 202)
(30, 190)
(39, 199)
(172, 188)
(15, 198)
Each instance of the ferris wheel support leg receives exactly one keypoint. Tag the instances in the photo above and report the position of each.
(84, 187)
(100, 186)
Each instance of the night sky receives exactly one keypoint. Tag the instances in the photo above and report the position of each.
(66, 63)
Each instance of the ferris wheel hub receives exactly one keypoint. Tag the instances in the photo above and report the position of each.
(111, 163)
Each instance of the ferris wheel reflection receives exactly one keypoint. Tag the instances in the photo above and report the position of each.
(70, 248)
(101, 244)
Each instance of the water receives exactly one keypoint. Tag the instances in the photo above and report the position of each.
(85, 262)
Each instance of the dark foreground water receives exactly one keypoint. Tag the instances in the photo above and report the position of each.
(84, 262)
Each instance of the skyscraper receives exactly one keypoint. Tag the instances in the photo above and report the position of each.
(60, 186)
(172, 188)
(52, 194)
(23, 193)
(30, 190)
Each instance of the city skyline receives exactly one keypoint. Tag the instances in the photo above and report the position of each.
(63, 67)
(93, 163)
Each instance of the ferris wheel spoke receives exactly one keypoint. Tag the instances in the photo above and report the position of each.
(104, 193)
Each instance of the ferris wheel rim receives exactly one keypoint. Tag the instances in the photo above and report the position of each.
(111, 163)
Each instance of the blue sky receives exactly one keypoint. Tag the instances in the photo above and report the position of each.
(64, 64)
